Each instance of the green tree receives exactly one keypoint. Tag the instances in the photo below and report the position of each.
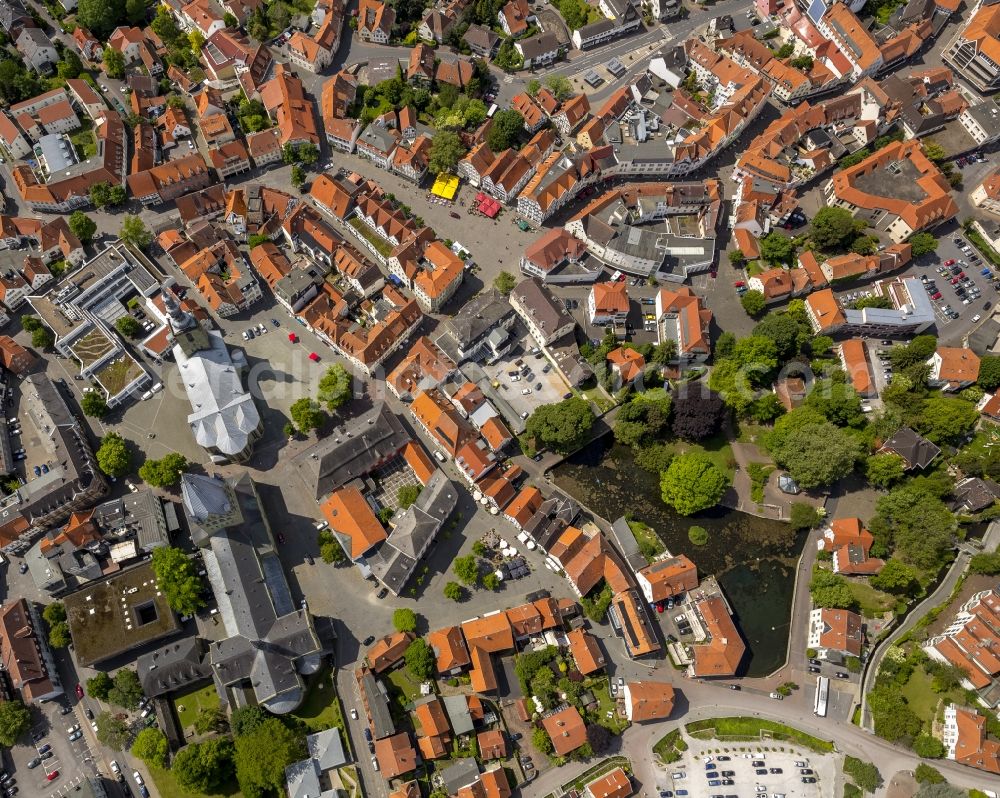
(247, 720)
(466, 569)
(445, 152)
(508, 58)
(804, 516)
(753, 303)
(42, 338)
(777, 248)
(532, 87)
(150, 745)
(896, 577)
(837, 401)
(335, 388)
(985, 563)
(454, 591)
(54, 613)
(828, 589)
(165, 472)
(14, 721)
(834, 228)
(69, 66)
(989, 372)
(404, 620)
(918, 350)
(298, 176)
(864, 774)
(177, 577)
(230, 21)
(915, 523)
(922, 244)
(507, 127)
(698, 535)
(491, 581)
(692, 483)
(128, 326)
(929, 748)
(111, 731)
(59, 636)
(420, 659)
(99, 685)
(815, 454)
(786, 331)
(205, 767)
(113, 455)
(541, 741)
(135, 12)
(758, 356)
(127, 689)
(505, 282)
(134, 231)
(211, 719)
(884, 470)
(262, 756)
(100, 16)
(407, 494)
(82, 226)
(306, 414)
(944, 419)
(560, 87)
(564, 426)
(114, 63)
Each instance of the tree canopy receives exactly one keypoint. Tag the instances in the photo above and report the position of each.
(811, 449)
(837, 402)
(692, 483)
(466, 569)
(507, 127)
(786, 330)
(777, 248)
(165, 472)
(14, 721)
(93, 404)
(335, 388)
(922, 243)
(753, 303)
(828, 589)
(915, 524)
(446, 151)
(563, 426)
(83, 226)
(134, 231)
(307, 414)
(945, 419)
(420, 659)
(697, 415)
(150, 745)
(126, 689)
(112, 731)
(100, 17)
(205, 767)
(113, 455)
(262, 755)
(884, 470)
(834, 228)
(177, 577)
(404, 620)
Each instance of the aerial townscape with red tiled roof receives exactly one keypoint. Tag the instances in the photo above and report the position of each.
(481, 400)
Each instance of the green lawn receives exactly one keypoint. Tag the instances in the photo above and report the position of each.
(920, 696)
(649, 544)
(167, 786)
(606, 704)
(743, 728)
(599, 398)
(717, 448)
(670, 747)
(194, 702)
(384, 248)
(403, 681)
(321, 707)
(872, 602)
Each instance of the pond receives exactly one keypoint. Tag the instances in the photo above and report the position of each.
(753, 558)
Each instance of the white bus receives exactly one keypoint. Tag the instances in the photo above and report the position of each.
(822, 694)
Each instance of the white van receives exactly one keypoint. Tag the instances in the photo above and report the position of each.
(438, 456)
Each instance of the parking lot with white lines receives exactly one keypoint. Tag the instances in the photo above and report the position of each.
(711, 769)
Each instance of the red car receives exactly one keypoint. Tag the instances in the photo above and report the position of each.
(293, 338)
(739, 283)
(954, 281)
(936, 295)
(950, 262)
(960, 275)
(79, 690)
(314, 357)
(52, 776)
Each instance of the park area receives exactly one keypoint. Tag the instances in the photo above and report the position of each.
(188, 705)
